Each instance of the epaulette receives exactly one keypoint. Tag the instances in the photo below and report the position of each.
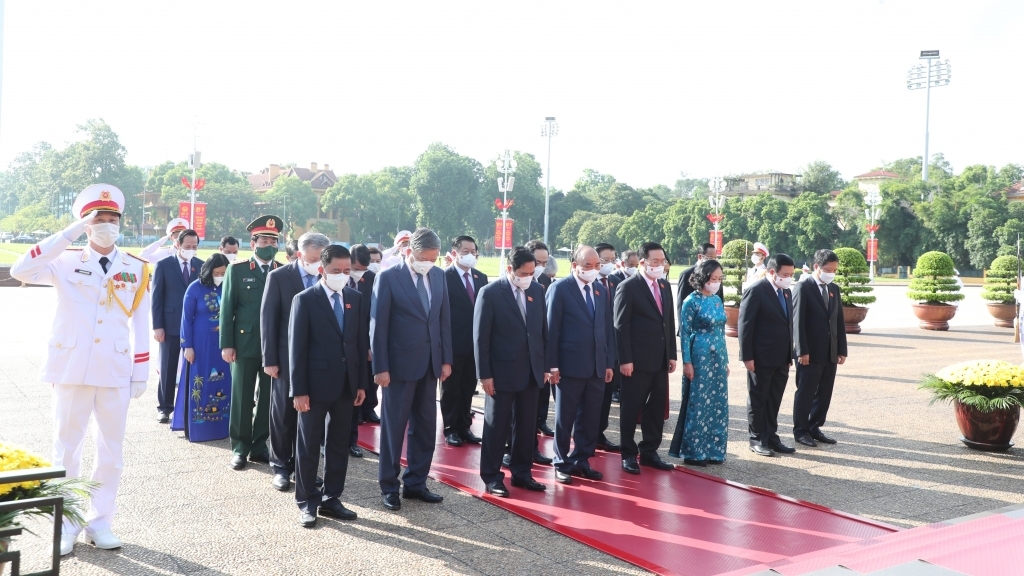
(237, 262)
(139, 258)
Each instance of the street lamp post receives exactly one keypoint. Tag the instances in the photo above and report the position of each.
(871, 214)
(933, 73)
(716, 185)
(506, 166)
(548, 129)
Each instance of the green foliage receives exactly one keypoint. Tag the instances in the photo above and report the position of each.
(604, 228)
(820, 177)
(933, 281)
(1001, 280)
(981, 398)
(32, 218)
(231, 202)
(74, 491)
(734, 270)
(528, 193)
(852, 278)
(447, 187)
(375, 205)
(325, 227)
(293, 199)
(570, 233)
(642, 226)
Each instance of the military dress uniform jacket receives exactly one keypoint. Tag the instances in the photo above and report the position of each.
(100, 331)
(240, 306)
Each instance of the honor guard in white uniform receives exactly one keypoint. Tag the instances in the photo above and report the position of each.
(393, 256)
(758, 259)
(98, 353)
(156, 251)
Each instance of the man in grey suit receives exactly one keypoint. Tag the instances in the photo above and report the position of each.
(411, 344)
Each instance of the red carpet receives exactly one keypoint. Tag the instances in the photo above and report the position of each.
(678, 522)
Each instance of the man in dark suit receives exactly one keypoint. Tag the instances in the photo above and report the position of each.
(644, 322)
(766, 349)
(282, 286)
(170, 280)
(606, 277)
(464, 282)
(819, 335)
(629, 264)
(328, 339)
(510, 335)
(581, 355)
(362, 280)
(411, 342)
(541, 255)
(707, 252)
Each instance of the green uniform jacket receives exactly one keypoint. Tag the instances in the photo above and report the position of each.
(240, 307)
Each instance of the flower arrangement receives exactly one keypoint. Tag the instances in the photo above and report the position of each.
(75, 491)
(1001, 280)
(734, 260)
(985, 385)
(852, 277)
(933, 281)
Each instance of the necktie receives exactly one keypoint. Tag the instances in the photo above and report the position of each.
(782, 300)
(308, 279)
(657, 296)
(184, 272)
(824, 293)
(607, 290)
(104, 262)
(521, 302)
(351, 283)
(590, 301)
(264, 267)
(339, 312)
(469, 288)
(421, 288)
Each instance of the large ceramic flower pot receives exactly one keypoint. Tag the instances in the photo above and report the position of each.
(1003, 313)
(934, 316)
(988, 431)
(853, 316)
(732, 319)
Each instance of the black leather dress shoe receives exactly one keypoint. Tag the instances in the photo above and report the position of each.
(506, 460)
(588, 473)
(424, 495)
(307, 520)
(237, 461)
(468, 437)
(782, 448)
(539, 458)
(762, 450)
(807, 441)
(692, 462)
(562, 477)
(355, 451)
(630, 465)
(822, 438)
(163, 418)
(281, 482)
(616, 397)
(391, 501)
(260, 458)
(372, 418)
(333, 508)
(529, 484)
(607, 445)
(360, 419)
(546, 430)
(498, 489)
(655, 461)
(452, 439)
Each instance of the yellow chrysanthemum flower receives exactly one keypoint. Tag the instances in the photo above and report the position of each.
(12, 458)
(990, 373)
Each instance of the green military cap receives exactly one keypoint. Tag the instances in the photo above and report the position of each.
(266, 226)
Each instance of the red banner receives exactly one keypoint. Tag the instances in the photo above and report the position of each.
(199, 223)
(716, 239)
(872, 249)
(503, 233)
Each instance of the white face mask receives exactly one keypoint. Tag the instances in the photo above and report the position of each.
(231, 258)
(336, 282)
(783, 283)
(105, 234)
(421, 267)
(607, 269)
(218, 280)
(713, 287)
(187, 254)
(587, 276)
(311, 269)
(629, 270)
(521, 282)
(374, 267)
(538, 272)
(655, 272)
(826, 277)
(358, 274)
(756, 259)
(466, 260)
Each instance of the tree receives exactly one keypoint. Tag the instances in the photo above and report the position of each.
(604, 228)
(447, 190)
(819, 176)
(293, 199)
(592, 182)
(375, 205)
(684, 227)
(901, 235)
(563, 207)
(849, 217)
(765, 217)
(643, 226)
(569, 234)
(231, 203)
(811, 224)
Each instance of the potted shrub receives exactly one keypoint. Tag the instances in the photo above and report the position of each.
(934, 287)
(986, 395)
(1000, 282)
(734, 270)
(852, 278)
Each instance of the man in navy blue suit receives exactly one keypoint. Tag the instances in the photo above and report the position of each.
(510, 336)
(581, 355)
(328, 341)
(170, 280)
(411, 342)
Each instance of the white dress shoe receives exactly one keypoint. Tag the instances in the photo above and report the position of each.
(103, 539)
(67, 543)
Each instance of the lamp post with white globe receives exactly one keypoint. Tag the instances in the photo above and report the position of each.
(716, 185)
(506, 165)
(871, 213)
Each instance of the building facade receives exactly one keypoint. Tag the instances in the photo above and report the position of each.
(320, 179)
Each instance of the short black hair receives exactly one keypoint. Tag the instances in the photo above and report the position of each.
(824, 256)
(779, 260)
(332, 252)
(206, 272)
(186, 233)
(519, 256)
(361, 254)
(375, 250)
(702, 273)
(534, 245)
(228, 241)
(602, 247)
(705, 247)
(457, 243)
(647, 247)
(290, 248)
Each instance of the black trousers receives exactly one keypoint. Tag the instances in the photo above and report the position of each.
(765, 387)
(517, 410)
(606, 401)
(371, 392)
(814, 384)
(544, 396)
(170, 349)
(577, 415)
(457, 394)
(677, 436)
(311, 426)
(642, 395)
(283, 427)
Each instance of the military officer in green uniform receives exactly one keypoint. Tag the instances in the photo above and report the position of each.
(240, 344)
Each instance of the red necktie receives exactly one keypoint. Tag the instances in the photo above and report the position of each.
(657, 296)
(469, 288)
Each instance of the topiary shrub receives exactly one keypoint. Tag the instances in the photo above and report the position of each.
(852, 277)
(734, 269)
(933, 281)
(1001, 280)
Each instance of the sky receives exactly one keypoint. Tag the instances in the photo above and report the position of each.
(643, 91)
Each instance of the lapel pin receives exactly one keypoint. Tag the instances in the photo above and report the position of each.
(347, 306)
(529, 298)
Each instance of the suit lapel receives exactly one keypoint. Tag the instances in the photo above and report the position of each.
(508, 294)
(116, 264)
(436, 290)
(405, 279)
(774, 297)
(295, 277)
(574, 288)
(351, 313)
(456, 274)
(647, 290)
(320, 295)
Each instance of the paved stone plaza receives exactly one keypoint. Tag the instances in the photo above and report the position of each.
(183, 511)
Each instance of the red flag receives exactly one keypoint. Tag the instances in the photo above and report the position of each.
(184, 181)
